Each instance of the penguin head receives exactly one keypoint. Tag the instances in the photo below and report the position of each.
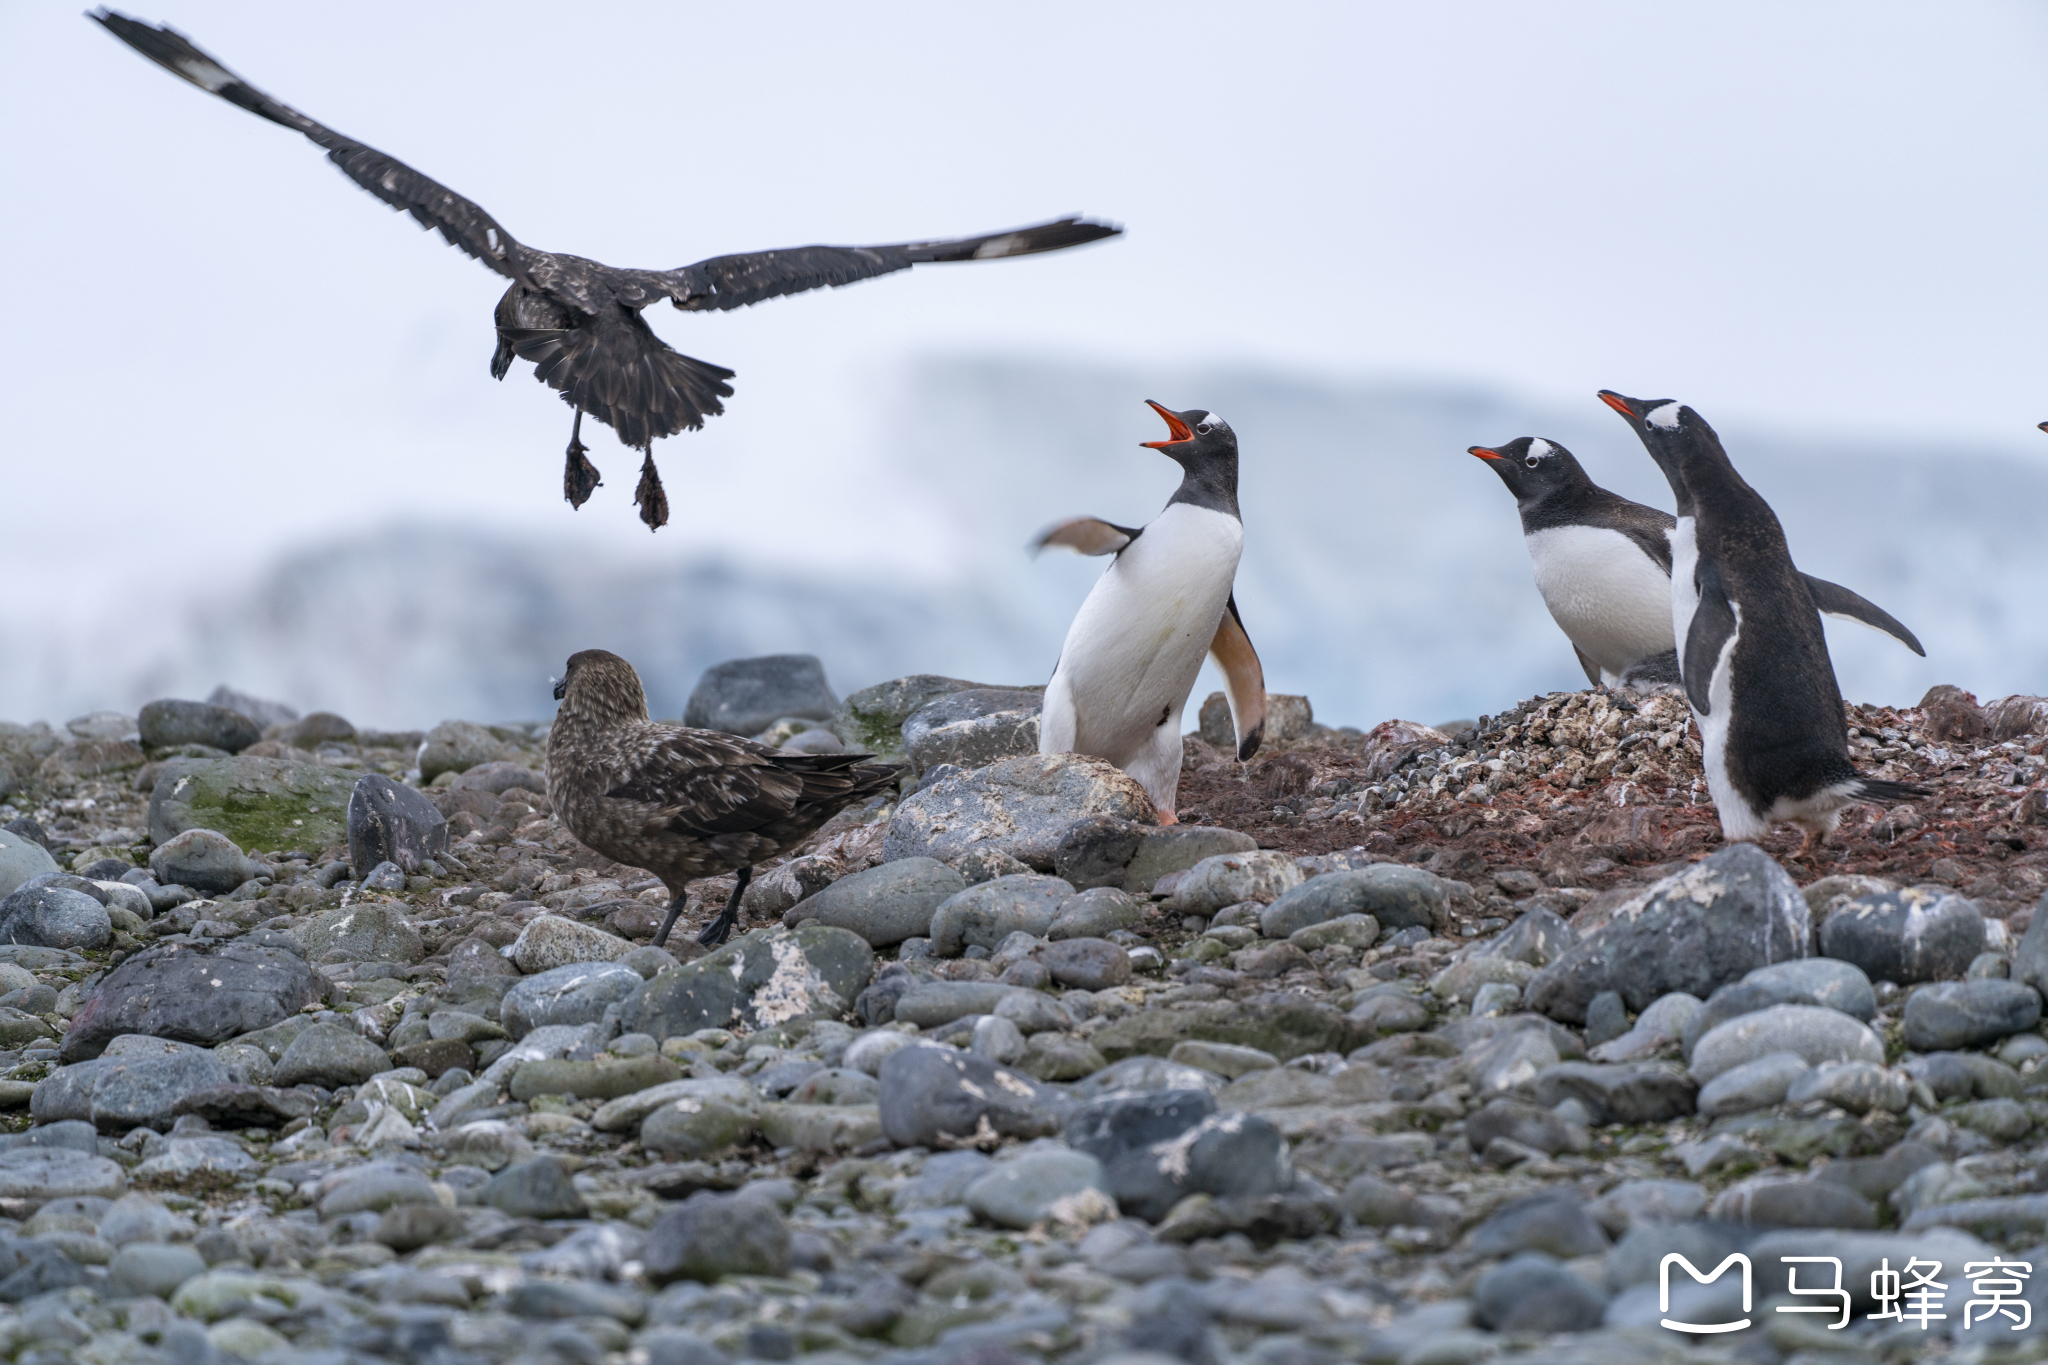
(1663, 425)
(1532, 467)
(1196, 436)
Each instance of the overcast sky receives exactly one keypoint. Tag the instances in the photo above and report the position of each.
(1821, 217)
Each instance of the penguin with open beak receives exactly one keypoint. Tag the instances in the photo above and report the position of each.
(1603, 566)
(1752, 653)
(1134, 650)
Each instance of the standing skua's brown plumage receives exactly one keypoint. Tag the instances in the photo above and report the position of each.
(680, 802)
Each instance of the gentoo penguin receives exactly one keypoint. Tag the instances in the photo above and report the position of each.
(1603, 565)
(1752, 653)
(1165, 601)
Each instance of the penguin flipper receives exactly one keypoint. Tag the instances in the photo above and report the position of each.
(1713, 625)
(1832, 599)
(1592, 669)
(1244, 679)
(1086, 535)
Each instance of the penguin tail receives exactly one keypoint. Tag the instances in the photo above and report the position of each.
(1877, 789)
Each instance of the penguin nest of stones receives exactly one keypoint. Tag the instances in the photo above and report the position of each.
(1594, 788)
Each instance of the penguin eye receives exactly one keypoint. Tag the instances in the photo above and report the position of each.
(1203, 428)
(1532, 461)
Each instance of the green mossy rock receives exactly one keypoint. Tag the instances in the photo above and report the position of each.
(871, 720)
(262, 804)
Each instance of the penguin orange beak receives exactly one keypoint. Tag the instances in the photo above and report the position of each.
(1181, 431)
(1483, 453)
(1617, 402)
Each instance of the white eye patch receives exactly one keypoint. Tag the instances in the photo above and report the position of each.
(1539, 448)
(1664, 418)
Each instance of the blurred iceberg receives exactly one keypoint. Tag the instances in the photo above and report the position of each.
(1383, 572)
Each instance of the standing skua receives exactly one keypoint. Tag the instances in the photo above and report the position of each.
(681, 802)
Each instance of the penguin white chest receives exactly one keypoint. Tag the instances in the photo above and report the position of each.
(1604, 592)
(1685, 593)
(1137, 643)
(1738, 820)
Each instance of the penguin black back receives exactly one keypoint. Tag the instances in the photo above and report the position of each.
(1755, 660)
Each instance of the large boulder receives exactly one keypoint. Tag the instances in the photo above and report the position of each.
(746, 696)
(204, 859)
(765, 978)
(1915, 934)
(33, 1176)
(871, 720)
(1396, 896)
(1960, 1014)
(714, 1235)
(941, 1097)
(1018, 806)
(264, 713)
(22, 858)
(985, 914)
(1228, 878)
(2029, 960)
(456, 746)
(138, 1080)
(1809, 981)
(1815, 1033)
(322, 727)
(551, 941)
(70, 764)
(974, 728)
(889, 903)
(167, 724)
(577, 993)
(260, 803)
(1176, 848)
(202, 993)
(1695, 931)
(389, 822)
(366, 931)
(329, 1056)
(51, 916)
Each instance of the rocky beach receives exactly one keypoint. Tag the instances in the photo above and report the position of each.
(1416, 1045)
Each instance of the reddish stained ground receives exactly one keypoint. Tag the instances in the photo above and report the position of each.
(1978, 832)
